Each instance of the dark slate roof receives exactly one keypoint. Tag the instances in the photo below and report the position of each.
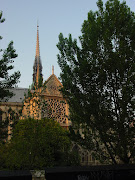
(18, 94)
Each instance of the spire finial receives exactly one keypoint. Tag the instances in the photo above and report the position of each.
(52, 69)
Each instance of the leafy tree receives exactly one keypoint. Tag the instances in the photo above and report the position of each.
(37, 144)
(7, 80)
(99, 81)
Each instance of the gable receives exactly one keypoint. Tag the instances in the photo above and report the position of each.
(52, 87)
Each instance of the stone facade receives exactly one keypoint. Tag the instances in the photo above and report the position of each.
(47, 101)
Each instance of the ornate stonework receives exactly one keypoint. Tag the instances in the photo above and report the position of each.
(48, 101)
(57, 107)
(52, 87)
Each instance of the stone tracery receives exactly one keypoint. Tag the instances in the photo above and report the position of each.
(56, 109)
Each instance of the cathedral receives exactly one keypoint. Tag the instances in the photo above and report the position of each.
(48, 93)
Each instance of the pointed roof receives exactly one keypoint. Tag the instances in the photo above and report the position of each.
(37, 56)
(37, 67)
(52, 87)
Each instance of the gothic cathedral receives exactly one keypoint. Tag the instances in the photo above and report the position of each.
(46, 98)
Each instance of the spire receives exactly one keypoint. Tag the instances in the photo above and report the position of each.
(37, 67)
(37, 45)
(37, 75)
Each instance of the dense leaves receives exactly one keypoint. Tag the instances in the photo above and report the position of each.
(99, 81)
(36, 144)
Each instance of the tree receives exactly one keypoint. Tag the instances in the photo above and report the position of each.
(36, 144)
(7, 80)
(99, 82)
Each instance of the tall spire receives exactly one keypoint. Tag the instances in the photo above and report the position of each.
(37, 45)
(37, 67)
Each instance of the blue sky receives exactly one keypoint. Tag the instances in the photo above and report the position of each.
(54, 16)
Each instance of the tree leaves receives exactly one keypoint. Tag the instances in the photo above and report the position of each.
(98, 80)
(7, 80)
(36, 144)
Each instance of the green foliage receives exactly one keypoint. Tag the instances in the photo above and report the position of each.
(3, 155)
(36, 144)
(7, 80)
(99, 81)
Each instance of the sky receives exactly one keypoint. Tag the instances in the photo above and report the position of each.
(53, 17)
